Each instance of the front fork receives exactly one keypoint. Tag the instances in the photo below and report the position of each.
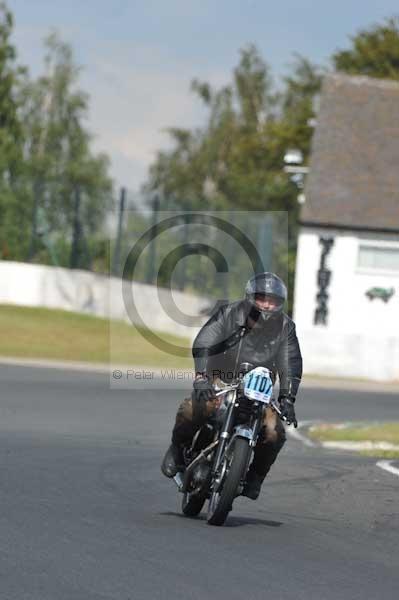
(249, 432)
(225, 433)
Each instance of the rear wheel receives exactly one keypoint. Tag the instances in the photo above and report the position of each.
(221, 501)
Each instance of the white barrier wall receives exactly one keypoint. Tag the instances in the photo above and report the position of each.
(361, 338)
(81, 291)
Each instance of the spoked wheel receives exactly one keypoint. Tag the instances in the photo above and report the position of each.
(221, 501)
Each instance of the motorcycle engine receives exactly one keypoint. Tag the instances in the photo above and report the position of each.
(200, 475)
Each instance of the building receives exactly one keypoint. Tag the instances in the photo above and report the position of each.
(346, 302)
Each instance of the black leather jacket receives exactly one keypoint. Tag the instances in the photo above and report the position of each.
(273, 345)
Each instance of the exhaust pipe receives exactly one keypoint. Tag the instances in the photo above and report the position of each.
(178, 479)
(201, 456)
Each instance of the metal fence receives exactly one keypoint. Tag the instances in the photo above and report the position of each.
(206, 253)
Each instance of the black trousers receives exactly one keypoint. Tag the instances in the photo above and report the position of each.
(192, 415)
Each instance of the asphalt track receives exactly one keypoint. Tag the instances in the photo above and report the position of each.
(86, 514)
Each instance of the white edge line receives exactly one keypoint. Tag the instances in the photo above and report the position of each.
(387, 466)
(295, 433)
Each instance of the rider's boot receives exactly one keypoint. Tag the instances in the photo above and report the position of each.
(173, 460)
(265, 455)
(253, 484)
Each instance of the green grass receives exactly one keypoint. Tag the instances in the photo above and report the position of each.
(383, 432)
(62, 335)
(387, 454)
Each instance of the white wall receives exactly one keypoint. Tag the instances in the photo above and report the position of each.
(81, 291)
(361, 338)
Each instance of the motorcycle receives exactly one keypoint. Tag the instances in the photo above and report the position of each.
(218, 459)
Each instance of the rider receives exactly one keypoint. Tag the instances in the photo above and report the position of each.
(253, 330)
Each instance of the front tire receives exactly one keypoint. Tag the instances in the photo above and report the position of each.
(221, 503)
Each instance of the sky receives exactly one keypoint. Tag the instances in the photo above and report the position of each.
(138, 57)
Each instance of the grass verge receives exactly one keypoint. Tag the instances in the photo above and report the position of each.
(376, 433)
(62, 335)
(387, 454)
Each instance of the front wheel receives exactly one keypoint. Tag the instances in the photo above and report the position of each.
(220, 503)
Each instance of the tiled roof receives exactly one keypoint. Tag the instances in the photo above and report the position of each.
(354, 167)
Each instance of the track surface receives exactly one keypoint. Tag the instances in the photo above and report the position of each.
(86, 514)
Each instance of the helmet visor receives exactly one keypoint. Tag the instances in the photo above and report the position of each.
(267, 303)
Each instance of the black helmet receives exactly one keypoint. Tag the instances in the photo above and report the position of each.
(270, 284)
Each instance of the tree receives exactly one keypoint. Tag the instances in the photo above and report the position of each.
(226, 163)
(10, 126)
(69, 184)
(11, 141)
(297, 101)
(236, 160)
(374, 52)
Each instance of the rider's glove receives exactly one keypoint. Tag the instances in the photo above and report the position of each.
(287, 409)
(203, 389)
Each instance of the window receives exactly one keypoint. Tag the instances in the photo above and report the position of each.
(381, 258)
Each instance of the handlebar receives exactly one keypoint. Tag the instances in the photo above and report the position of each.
(226, 390)
(235, 386)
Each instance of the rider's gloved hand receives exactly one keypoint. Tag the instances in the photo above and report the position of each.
(288, 410)
(203, 389)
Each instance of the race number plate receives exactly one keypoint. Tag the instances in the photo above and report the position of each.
(258, 385)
